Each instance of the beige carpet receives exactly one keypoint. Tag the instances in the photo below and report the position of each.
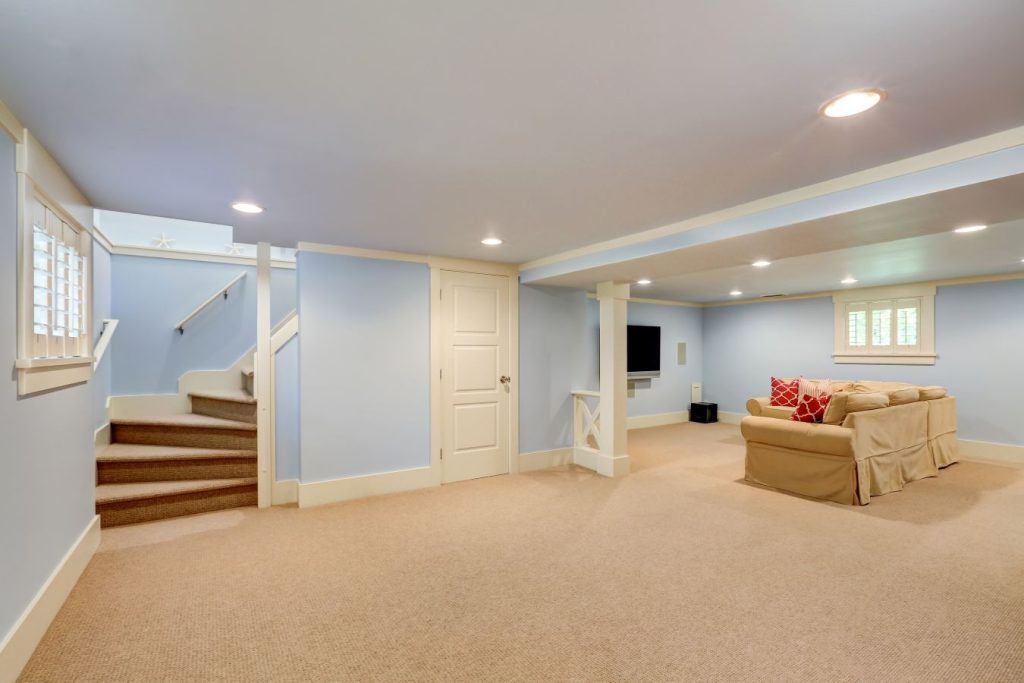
(677, 572)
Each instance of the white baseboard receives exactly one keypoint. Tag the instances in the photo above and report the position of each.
(658, 420)
(730, 418)
(19, 644)
(285, 492)
(609, 466)
(542, 460)
(993, 453)
(350, 488)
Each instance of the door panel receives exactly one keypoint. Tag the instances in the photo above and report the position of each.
(475, 356)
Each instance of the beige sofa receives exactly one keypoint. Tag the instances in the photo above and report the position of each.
(869, 453)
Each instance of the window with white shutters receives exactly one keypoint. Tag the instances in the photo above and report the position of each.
(898, 328)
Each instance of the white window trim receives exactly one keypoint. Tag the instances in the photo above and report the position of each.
(924, 355)
(44, 374)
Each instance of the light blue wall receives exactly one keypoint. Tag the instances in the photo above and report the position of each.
(559, 343)
(102, 379)
(150, 296)
(979, 335)
(553, 360)
(670, 392)
(364, 343)
(48, 483)
(286, 410)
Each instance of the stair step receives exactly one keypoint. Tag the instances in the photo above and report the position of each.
(122, 463)
(197, 431)
(229, 405)
(131, 452)
(129, 503)
(232, 395)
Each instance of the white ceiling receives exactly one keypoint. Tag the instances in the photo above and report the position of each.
(998, 250)
(425, 126)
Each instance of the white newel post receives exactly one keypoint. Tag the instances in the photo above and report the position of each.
(264, 443)
(613, 460)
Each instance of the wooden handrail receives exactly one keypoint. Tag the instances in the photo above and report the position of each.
(223, 291)
(583, 392)
(106, 334)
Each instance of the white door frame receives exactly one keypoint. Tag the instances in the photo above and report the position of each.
(436, 405)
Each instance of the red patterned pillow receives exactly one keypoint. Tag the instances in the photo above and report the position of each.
(785, 392)
(814, 400)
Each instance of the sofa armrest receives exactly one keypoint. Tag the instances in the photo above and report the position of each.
(798, 436)
(755, 406)
(887, 430)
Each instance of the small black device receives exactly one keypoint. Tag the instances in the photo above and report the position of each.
(703, 412)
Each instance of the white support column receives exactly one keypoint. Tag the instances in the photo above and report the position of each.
(613, 460)
(264, 385)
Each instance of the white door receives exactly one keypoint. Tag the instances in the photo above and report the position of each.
(474, 375)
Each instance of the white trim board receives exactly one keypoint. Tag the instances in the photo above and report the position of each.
(991, 453)
(286, 492)
(542, 460)
(21, 641)
(657, 420)
(730, 418)
(364, 486)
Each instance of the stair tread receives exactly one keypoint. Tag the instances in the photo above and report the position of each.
(233, 395)
(191, 420)
(111, 493)
(130, 452)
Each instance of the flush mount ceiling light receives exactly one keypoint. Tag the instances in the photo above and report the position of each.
(643, 281)
(852, 102)
(849, 281)
(735, 292)
(971, 228)
(490, 241)
(246, 207)
(761, 264)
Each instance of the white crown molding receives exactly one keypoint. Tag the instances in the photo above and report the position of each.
(442, 262)
(193, 256)
(10, 124)
(959, 152)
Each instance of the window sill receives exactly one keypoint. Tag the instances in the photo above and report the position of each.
(885, 358)
(44, 374)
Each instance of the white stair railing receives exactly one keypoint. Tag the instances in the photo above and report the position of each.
(586, 419)
(222, 292)
(106, 334)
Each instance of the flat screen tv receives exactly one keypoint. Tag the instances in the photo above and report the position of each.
(643, 350)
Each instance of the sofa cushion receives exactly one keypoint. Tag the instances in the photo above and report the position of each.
(932, 393)
(903, 396)
(784, 392)
(836, 411)
(870, 387)
(859, 402)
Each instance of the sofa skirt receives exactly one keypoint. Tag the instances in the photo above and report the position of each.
(817, 475)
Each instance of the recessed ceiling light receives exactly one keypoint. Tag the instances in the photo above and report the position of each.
(849, 281)
(491, 241)
(735, 292)
(246, 207)
(643, 281)
(971, 228)
(761, 264)
(852, 102)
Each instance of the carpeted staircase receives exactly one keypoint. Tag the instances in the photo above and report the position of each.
(174, 465)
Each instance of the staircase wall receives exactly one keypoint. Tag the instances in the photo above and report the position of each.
(149, 297)
(47, 468)
(286, 411)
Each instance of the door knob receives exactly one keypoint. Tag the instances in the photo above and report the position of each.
(505, 379)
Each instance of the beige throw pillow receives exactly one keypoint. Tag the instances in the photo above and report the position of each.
(836, 411)
(931, 393)
(857, 403)
(903, 396)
